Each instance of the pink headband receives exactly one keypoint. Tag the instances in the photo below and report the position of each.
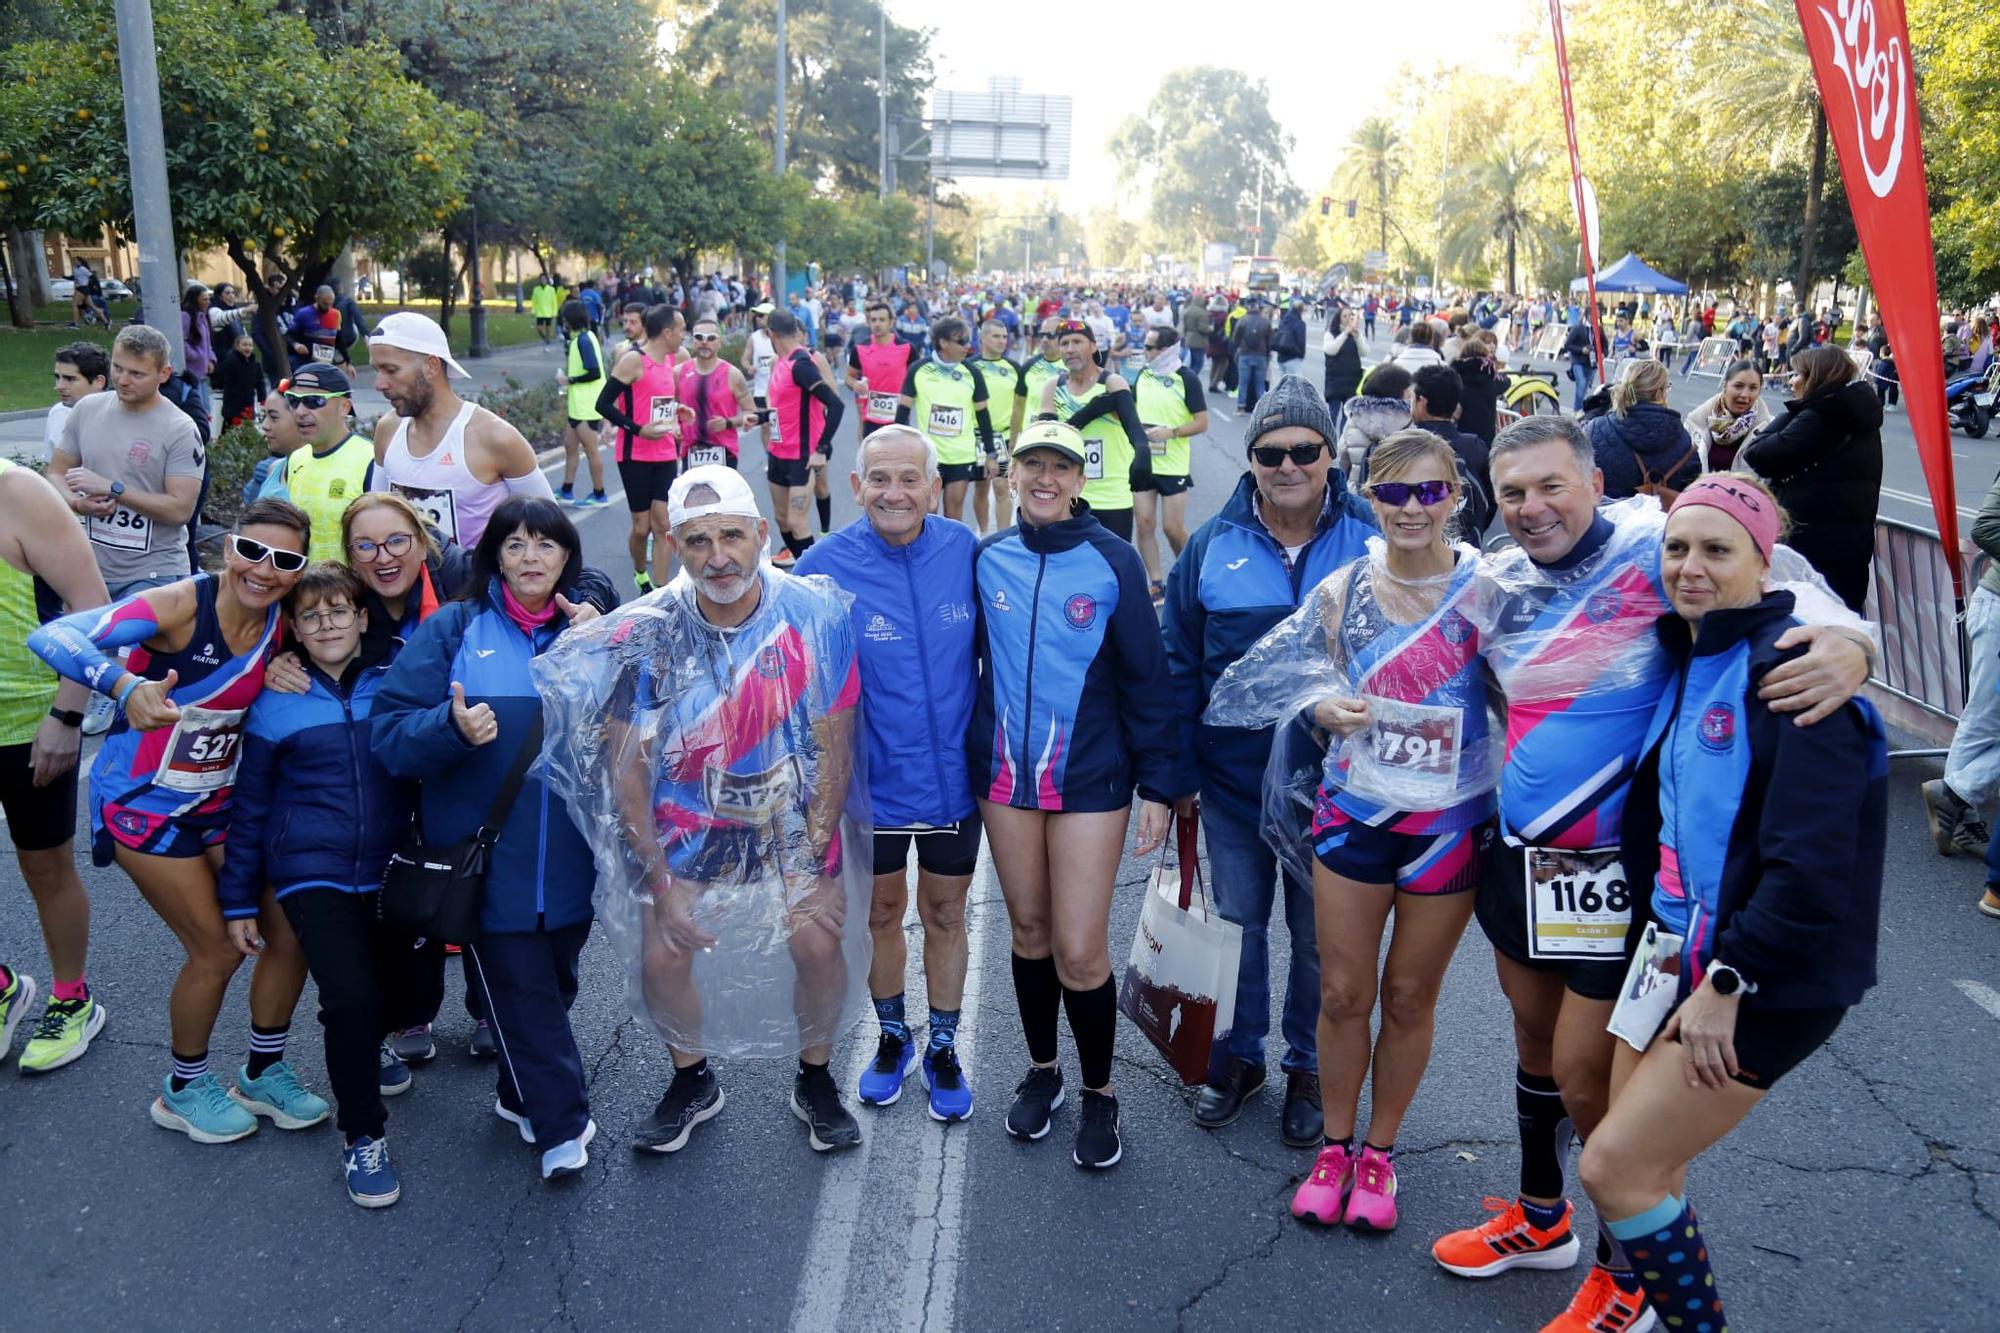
(1746, 504)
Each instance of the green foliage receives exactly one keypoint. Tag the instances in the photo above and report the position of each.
(538, 409)
(1202, 146)
(856, 233)
(231, 459)
(429, 273)
(1774, 224)
(1489, 206)
(1956, 48)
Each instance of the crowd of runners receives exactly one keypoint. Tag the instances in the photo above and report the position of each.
(1582, 738)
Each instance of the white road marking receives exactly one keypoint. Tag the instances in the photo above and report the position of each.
(1984, 996)
(1924, 501)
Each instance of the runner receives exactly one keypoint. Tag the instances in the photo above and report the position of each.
(1045, 367)
(1173, 410)
(804, 414)
(877, 367)
(911, 580)
(453, 460)
(642, 398)
(718, 399)
(631, 330)
(41, 546)
(992, 505)
(1099, 405)
(1072, 712)
(160, 797)
(336, 468)
(545, 301)
(945, 399)
(583, 373)
(759, 355)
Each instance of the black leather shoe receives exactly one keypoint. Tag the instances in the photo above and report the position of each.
(1301, 1124)
(1221, 1101)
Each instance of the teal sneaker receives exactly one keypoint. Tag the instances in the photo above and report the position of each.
(202, 1111)
(15, 1001)
(63, 1034)
(279, 1095)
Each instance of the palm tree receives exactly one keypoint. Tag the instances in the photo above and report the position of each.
(1765, 70)
(1488, 203)
(1374, 159)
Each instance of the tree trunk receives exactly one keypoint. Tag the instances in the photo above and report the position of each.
(445, 297)
(1513, 269)
(1382, 205)
(17, 308)
(278, 361)
(1815, 187)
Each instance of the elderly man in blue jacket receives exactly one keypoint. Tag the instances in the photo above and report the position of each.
(1288, 525)
(910, 574)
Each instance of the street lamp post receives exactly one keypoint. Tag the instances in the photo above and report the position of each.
(146, 147)
(778, 156)
(478, 345)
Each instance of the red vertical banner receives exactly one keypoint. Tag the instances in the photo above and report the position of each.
(1860, 53)
(1576, 178)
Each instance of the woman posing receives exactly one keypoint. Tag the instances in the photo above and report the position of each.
(1722, 425)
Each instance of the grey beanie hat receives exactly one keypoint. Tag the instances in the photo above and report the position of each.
(1292, 401)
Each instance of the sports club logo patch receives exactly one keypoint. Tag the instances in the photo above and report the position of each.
(1602, 606)
(130, 822)
(1080, 611)
(1455, 627)
(771, 663)
(1718, 728)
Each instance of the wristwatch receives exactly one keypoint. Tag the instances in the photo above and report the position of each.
(1727, 980)
(117, 489)
(69, 717)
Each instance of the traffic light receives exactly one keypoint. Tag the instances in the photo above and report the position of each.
(1350, 208)
(1325, 205)
(1055, 225)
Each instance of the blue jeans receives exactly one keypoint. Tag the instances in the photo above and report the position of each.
(1694, 350)
(1583, 379)
(1195, 356)
(1251, 374)
(1243, 874)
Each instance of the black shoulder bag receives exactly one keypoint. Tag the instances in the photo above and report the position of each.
(435, 892)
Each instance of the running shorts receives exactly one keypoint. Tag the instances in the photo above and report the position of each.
(1118, 522)
(950, 850)
(1427, 863)
(1164, 483)
(180, 837)
(1771, 1043)
(646, 484)
(1502, 908)
(792, 472)
(39, 818)
(961, 472)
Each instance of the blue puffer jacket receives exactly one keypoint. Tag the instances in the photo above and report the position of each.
(1648, 441)
(542, 871)
(312, 807)
(1227, 590)
(914, 620)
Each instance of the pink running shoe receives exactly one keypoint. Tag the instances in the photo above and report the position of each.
(1319, 1195)
(1372, 1206)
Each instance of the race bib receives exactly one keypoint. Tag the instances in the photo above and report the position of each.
(1093, 458)
(201, 753)
(702, 455)
(322, 353)
(122, 529)
(882, 406)
(667, 410)
(1408, 756)
(1158, 447)
(947, 421)
(753, 798)
(436, 506)
(1579, 904)
(1651, 983)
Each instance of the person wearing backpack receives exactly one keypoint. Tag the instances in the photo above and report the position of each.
(1642, 445)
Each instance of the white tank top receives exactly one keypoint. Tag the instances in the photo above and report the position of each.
(440, 485)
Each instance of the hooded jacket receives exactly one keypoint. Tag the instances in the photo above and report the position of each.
(1479, 395)
(1823, 456)
(1650, 434)
(1290, 342)
(1369, 420)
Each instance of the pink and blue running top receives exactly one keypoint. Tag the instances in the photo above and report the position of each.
(164, 792)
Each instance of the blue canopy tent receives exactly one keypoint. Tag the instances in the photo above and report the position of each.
(1631, 274)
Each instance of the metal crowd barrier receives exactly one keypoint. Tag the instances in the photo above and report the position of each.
(1925, 657)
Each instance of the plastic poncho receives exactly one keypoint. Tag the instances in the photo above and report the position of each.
(1410, 649)
(719, 777)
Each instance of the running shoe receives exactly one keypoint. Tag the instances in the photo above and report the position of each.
(15, 1001)
(1036, 1098)
(951, 1095)
(414, 1045)
(277, 1093)
(482, 1047)
(689, 1100)
(783, 560)
(1097, 1143)
(571, 1155)
(516, 1119)
(1372, 1205)
(645, 582)
(595, 500)
(1943, 810)
(1599, 1306)
(98, 714)
(1989, 903)
(202, 1111)
(62, 1036)
(1507, 1240)
(1324, 1190)
(882, 1082)
(566, 495)
(815, 1100)
(371, 1181)
(395, 1076)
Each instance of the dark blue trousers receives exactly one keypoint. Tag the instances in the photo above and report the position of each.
(527, 983)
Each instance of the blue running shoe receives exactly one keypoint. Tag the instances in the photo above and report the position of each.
(517, 1120)
(951, 1095)
(202, 1111)
(882, 1082)
(570, 1156)
(279, 1095)
(371, 1181)
(566, 495)
(395, 1075)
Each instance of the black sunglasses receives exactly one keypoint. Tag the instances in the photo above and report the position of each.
(1398, 493)
(312, 402)
(1302, 455)
(252, 550)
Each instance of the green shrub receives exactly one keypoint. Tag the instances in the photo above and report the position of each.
(538, 410)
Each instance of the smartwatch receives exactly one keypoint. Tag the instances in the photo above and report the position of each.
(69, 717)
(117, 489)
(1728, 981)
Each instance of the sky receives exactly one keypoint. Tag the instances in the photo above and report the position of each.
(1114, 56)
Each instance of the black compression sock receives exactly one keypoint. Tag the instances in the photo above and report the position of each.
(1093, 1021)
(825, 513)
(1545, 1134)
(1038, 995)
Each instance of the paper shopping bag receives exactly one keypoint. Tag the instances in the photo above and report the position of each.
(1180, 980)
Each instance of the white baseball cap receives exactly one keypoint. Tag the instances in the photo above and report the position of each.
(732, 495)
(416, 333)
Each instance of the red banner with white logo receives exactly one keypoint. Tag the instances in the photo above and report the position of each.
(1583, 227)
(1861, 58)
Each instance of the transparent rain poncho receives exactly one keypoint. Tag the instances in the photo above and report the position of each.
(718, 775)
(1407, 648)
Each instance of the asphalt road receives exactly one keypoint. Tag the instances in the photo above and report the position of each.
(1865, 1194)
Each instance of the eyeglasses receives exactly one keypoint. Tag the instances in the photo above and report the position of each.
(960, 342)
(363, 549)
(253, 551)
(312, 402)
(1069, 326)
(334, 617)
(1398, 493)
(707, 337)
(1302, 455)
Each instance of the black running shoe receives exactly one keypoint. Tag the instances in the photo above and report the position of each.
(1035, 1100)
(1097, 1144)
(829, 1124)
(690, 1099)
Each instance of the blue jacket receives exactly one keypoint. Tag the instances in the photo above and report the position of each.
(542, 870)
(1073, 703)
(312, 808)
(1227, 590)
(1777, 831)
(914, 622)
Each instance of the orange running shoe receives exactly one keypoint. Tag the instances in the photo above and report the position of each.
(1600, 1307)
(1506, 1240)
